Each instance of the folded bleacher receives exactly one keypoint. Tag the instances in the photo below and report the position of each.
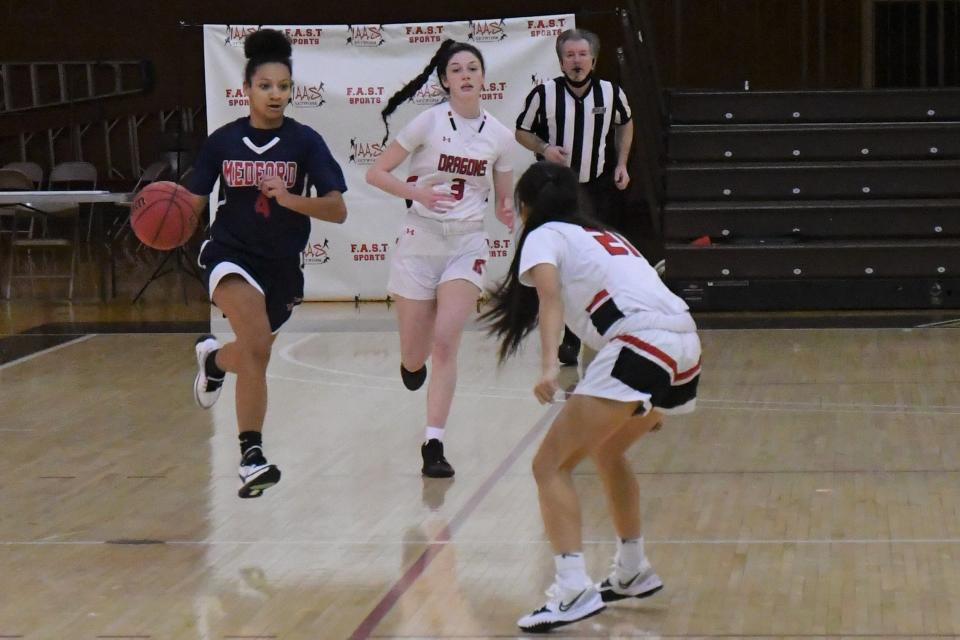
(813, 200)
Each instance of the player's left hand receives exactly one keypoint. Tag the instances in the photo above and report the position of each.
(620, 177)
(506, 214)
(273, 187)
(547, 387)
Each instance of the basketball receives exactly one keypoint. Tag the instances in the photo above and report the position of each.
(162, 215)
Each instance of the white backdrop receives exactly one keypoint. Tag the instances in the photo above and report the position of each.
(344, 75)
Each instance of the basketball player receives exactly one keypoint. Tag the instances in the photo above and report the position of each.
(437, 271)
(266, 164)
(647, 365)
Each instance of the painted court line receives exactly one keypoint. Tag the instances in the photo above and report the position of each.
(287, 354)
(37, 354)
(410, 576)
(528, 397)
(815, 406)
(443, 538)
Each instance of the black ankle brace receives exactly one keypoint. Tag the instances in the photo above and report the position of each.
(250, 439)
(210, 366)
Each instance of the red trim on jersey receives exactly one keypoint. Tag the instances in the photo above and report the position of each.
(663, 357)
(597, 299)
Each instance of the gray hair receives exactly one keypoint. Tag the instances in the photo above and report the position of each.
(579, 34)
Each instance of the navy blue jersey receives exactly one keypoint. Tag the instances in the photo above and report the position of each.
(241, 156)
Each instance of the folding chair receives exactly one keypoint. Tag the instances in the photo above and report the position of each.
(30, 169)
(67, 241)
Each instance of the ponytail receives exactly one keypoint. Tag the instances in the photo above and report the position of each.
(437, 63)
(550, 193)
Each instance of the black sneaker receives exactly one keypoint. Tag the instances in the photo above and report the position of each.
(413, 380)
(256, 474)
(567, 355)
(434, 464)
(642, 584)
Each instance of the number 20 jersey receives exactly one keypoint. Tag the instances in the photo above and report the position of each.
(608, 287)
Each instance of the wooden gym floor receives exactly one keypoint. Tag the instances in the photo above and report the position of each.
(813, 494)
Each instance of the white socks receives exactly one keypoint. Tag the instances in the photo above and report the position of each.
(571, 570)
(630, 555)
(433, 433)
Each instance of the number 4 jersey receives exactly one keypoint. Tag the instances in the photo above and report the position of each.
(608, 287)
(460, 154)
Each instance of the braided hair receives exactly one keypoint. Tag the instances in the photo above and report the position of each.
(551, 193)
(263, 47)
(448, 48)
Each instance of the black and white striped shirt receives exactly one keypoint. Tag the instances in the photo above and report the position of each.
(579, 125)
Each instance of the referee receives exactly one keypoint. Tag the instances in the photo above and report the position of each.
(568, 120)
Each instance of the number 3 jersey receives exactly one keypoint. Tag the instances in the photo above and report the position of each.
(608, 288)
(459, 154)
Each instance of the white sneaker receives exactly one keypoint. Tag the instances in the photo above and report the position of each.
(564, 605)
(256, 474)
(622, 584)
(205, 390)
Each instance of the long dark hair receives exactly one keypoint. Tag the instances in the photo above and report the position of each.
(265, 46)
(550, 193)
(448, 48)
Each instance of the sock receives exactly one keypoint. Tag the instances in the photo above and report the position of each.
(433, 433)
(213, 372)
(630, 554)
(571, 570)
(250, 439)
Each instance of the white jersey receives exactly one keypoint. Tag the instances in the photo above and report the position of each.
(608, 288)
(458, 153)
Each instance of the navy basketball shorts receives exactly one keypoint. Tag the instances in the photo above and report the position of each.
(280, 280)
(660, 369)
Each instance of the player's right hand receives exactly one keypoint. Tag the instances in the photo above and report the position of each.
(436, 198)
(545, 390)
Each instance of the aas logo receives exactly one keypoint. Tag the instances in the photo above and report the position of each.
(308, 95)
(364, 152)
(365, 35)
(317, 252)
(236, 33)
(430, 94)
(487, 30)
